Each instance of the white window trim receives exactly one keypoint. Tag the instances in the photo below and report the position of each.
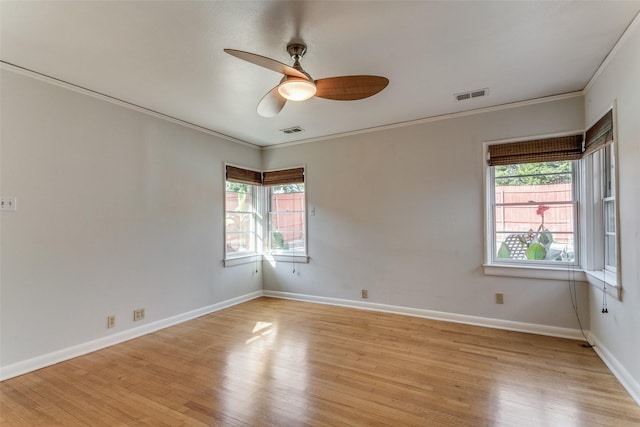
(569, 272)
(242, 259)
(295, 259)
(559, 271)
(603, 280)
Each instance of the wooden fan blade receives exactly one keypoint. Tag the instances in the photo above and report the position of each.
(350, 88)
(265, 62)
(271, 104)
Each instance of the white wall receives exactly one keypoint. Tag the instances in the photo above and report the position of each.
(618, 332)
(400, 212)
(116, 210)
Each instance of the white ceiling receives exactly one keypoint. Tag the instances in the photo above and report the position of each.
(167, 56)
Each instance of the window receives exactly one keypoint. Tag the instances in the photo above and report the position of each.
(532, 202)
(240, 219)
(286, 207)
(534, 212)
(535, 193)
(609, 212)
(286, 219)
(245, 220)
(241, 196)
(601, 233)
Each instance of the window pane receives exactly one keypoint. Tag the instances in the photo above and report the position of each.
(609, 216)
(239, 201)
(287, 202)
(237, 221)
(286, 218)
(532, 247)
(610, 250)
(534, 212)
(288, 188)
(557, 218)
(240, 242)
(287, 231)
(238, 187)
(533, 194)
(608, 180)
(534, 173)
(240, 223)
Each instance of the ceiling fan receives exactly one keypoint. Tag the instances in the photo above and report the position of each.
(297, 84)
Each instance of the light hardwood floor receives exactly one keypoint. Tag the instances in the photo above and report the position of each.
(272, 362)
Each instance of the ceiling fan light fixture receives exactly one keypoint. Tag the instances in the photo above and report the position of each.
(295, 89)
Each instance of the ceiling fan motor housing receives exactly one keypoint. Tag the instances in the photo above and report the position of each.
(296, 50)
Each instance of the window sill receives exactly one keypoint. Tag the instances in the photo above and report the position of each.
(298, 259)
(244, 259)
(598, 279)
(535, 272)
(250, 259)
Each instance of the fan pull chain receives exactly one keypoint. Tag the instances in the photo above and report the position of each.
(605, 310)
(293, 260)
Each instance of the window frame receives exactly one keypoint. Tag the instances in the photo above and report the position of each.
(494, 260)
(246, 257)
(552, 270)
(294, 256)
(608, 163)
(599, 275)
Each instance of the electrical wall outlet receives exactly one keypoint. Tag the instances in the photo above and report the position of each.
(364, 293)
(7, 203)
(138, 314)
(111, 321)
(499, 298)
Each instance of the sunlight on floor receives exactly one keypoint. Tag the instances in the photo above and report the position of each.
(556, 412)
(266, 358)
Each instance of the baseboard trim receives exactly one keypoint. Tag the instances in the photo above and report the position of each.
(617, 369)
(52, 358)
(486, 322)
(628, 382)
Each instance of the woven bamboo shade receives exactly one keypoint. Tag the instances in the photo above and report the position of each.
(285, 176)
(244, 176)
(539, 150)
(599, 135)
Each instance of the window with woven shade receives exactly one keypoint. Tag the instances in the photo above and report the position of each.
(273, 201)
(602, 238)
(533, 201)
(286, 206)
(241, 208)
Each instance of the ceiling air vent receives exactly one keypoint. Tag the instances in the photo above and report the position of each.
(290, 130)
(472, 94)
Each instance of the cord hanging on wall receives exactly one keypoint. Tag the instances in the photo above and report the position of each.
(574, 302)
(293, 260)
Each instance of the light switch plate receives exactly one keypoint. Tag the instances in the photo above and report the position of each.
(7, 203)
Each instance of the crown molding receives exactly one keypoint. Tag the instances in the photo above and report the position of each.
(467, 113)
(138, 108)
(76, 88)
